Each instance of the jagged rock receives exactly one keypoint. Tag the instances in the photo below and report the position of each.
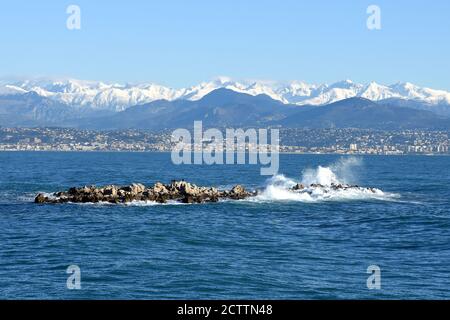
(88, 189)
(180, 191)
(40, 198)
(160, 188)
(298, 186)
(125, 189)
(187, 188)
(238, 192)
(110, 191)
(114, 200)
(188, 199)
(148, 195)
(237, 189)
(162, 197)
(137, 188)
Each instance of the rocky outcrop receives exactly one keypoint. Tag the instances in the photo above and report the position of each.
(180, 191)
(326, 188)
(298, 186)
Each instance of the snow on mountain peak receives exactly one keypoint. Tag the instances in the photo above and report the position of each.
(116, 97)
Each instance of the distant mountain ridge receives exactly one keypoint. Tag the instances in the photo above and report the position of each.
(227, 108)
(30, 109)
(118, 97)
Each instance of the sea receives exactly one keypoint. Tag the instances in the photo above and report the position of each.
(390, 244)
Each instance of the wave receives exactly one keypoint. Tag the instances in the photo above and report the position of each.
(322, 184)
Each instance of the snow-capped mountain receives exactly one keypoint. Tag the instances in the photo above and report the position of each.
(117, 97)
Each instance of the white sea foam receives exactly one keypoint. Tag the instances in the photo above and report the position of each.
(135, 203)
(320, 185)
(342, 171)
(154, 203)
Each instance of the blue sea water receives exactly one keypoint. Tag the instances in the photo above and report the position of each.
(267, 248)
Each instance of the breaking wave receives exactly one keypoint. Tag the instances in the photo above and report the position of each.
(322, 184)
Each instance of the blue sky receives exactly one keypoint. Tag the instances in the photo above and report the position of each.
(180, 43)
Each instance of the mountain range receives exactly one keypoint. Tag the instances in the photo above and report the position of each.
(223, 103)
(118, 97)
(227, 108)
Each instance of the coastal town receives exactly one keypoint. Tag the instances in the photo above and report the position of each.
(317, 141)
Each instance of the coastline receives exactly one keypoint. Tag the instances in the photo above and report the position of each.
(281, 152)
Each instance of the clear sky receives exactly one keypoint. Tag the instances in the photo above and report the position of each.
(183, 42)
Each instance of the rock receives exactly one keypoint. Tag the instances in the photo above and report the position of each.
(114, 200)
(148, 196)
(63, 199)
(40, 198)
(188, 199)
(187, 188)
(88, 198)
(238, 192)
(73, 191)
(137, 188)
(238, 189)
(88, 189)
(160, 188)
(298, 186)
(110, 191)
(124, 189)
(162, 197)
(180, 191)
(128, 197)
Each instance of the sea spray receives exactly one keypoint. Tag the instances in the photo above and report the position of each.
(346, 169)
(341, 171)
(329, 183)
(322, 175)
